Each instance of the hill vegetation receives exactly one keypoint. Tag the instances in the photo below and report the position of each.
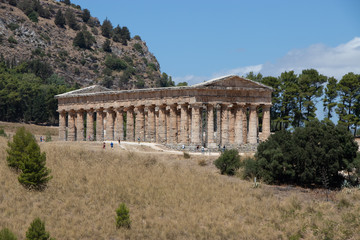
(74, 45)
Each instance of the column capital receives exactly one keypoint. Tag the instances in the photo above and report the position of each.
(196, 105)
(139, 108)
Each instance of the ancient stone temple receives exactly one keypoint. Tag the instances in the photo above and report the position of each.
(229, 111)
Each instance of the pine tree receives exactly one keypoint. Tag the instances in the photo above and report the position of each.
(123, 216)
(79, 40)
(117, 34)
(59, 19)
(86, 15)
(67, 2)
(106, 46)
(37, 231)
(71, 20)
(34, 173)
(16, 151)
(107, 28)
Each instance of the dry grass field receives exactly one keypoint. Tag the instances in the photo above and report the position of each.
(169, 197)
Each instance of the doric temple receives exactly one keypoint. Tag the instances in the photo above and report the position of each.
(223, 111)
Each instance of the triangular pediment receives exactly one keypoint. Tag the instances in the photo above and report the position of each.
(232, 81)
(86, 90)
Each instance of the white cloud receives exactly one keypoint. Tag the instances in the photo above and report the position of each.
(329, 61)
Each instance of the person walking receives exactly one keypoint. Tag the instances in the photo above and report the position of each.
(104, 145)
(112, 145)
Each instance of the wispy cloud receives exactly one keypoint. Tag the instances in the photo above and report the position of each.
(330, 61)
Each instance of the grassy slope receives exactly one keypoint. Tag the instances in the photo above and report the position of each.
(168, 197)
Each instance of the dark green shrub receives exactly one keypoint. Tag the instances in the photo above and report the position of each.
(59, 19)
(107, 46)
(37, 231)
(71, 20)
(186, 155)
(86, 15)
(13, 26)
(138, 48)
(48, 136)
(137, 37)
(6, 234)
(115, 63)
(140, 83)
(152, 66)
(12, 40)
(13, 3)
(33, 16)
(312, 155)
(123, 216)
(251, 168)
(228, 162)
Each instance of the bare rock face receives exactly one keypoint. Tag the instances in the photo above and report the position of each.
(24, 40)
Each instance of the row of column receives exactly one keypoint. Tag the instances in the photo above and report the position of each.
(198, 124)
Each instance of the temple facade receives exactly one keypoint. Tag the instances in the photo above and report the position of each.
(229, 111)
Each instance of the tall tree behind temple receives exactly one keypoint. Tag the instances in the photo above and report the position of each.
(289, 92)
(330, 95)
(310, 88)
(349, 106)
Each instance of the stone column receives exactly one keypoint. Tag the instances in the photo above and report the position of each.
(80, 126)
(245, 124)
(130, 125)
(71, 125)
(210, 125)
(218, 124)
(110, 119)
(184, 124)
(195, 124)
(151, 124)
(90, 125)
(232, 116)
(99, 125)
(62, 126)
(225, 124)
(157, 124)
(239, 115)
(252, 137)
(140, 123)
(162, 124)
(172, 125)
(266, 122)
(119, 125)
(167, 129)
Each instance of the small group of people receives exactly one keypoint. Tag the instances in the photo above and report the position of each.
(42, 139)
(111, 144)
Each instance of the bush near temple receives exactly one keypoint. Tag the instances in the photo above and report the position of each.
(310, 156)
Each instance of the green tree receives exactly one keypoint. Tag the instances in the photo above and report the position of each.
(107, 28)
(71, 20)
(37, 231)
(107, 46)
(84, 39)
(310, 154)
(180, 84)
(115, 63)
(67, 2)
(123, 216)
(86, 15)
(349, 92)
(34, 173)
(6, 234)
(255, 77)
(17, 148)
(330, 95)
(228, 162)
(33, 16)
(59, 19)
(117, 34)
(310, 88)
(165, 81)
(289, 92)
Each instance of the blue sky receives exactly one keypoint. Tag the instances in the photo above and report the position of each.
(197, 40)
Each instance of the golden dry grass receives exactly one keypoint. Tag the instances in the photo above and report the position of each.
(169, 197)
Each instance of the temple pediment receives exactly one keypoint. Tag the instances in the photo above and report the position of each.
(231, 81)
(91, 89)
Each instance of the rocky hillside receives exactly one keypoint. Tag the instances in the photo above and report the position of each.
(28, 33)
